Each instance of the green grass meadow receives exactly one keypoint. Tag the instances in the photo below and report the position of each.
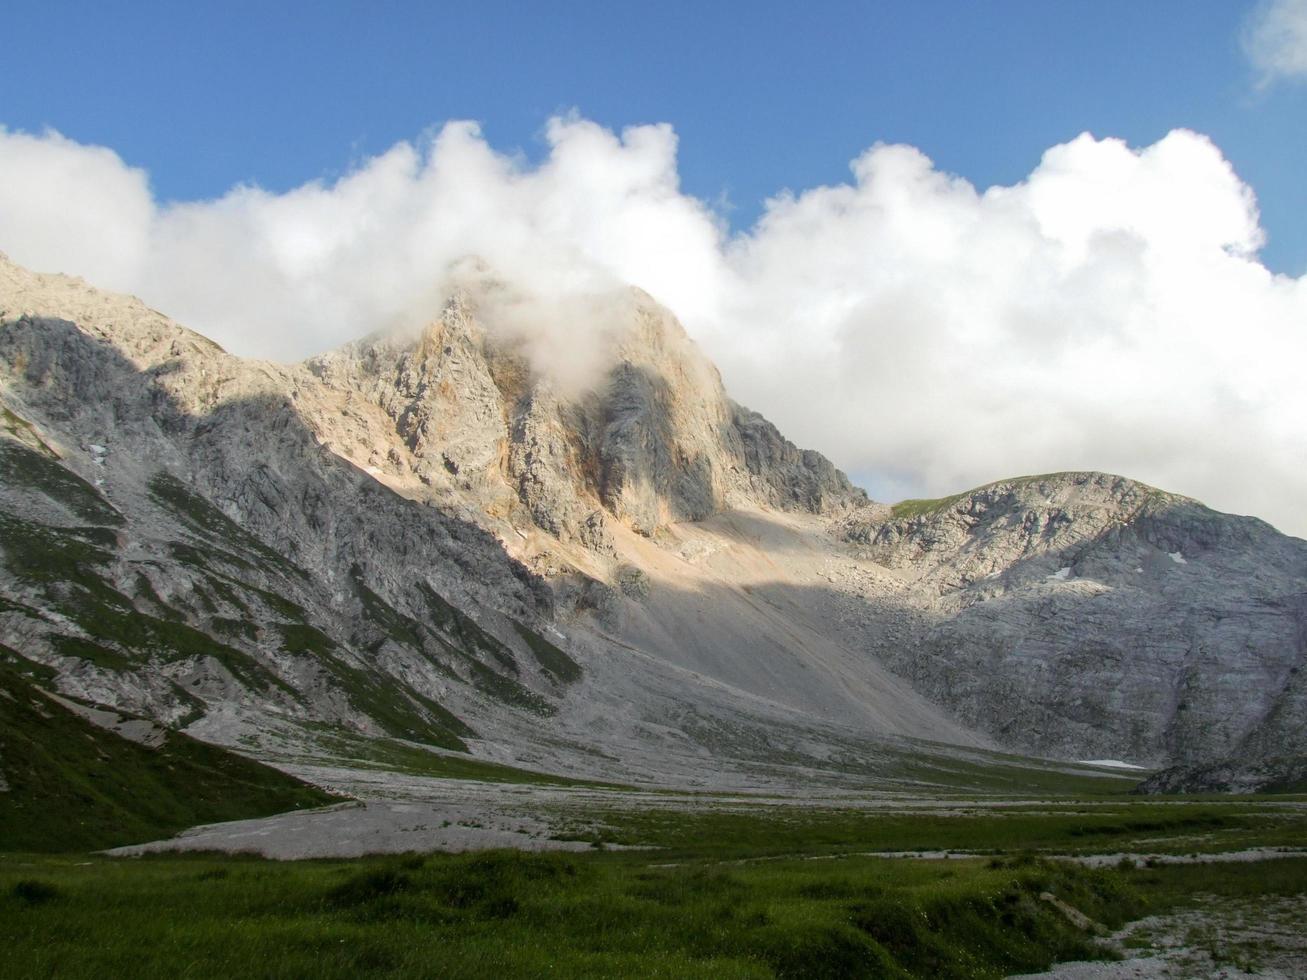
(512, 914)
(604, 914)
(763, 891)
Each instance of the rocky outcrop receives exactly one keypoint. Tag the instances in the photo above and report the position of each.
(788, 478)
(179, 541)
(651, 440)
(1086, 613)
(211, 541)
(1283, 774)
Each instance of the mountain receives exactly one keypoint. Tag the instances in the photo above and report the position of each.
(614, 570)
(1080, 611)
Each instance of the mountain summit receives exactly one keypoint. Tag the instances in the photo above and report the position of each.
(597, 564)
(650, 440)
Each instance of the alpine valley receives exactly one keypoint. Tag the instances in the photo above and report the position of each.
(434, 592)
(423, 539)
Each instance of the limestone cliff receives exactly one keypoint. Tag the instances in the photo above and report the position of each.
(651, 441)
(1078, 612)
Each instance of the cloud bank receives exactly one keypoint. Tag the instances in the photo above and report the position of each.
(1275, 40)
(1107, 312)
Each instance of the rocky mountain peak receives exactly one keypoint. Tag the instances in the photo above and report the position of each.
(650, 437)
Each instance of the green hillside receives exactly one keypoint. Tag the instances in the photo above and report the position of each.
(70, 785)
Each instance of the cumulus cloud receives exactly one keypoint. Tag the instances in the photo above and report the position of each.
(65, 205)
(1107, 312)
(1275, 40)
(283, 275)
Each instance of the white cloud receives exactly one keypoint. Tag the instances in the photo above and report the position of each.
(1108, 312)
(283, 275)
(65, 205)
(1275, 40)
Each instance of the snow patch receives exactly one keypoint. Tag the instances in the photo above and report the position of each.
(1062, 573)
(1178, 558)
(1110, 764)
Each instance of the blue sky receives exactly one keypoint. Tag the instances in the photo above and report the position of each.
(764, 96)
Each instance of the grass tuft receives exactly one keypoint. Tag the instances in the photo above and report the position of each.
(368, 886)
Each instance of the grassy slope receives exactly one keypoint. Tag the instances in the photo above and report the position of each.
(74, 786)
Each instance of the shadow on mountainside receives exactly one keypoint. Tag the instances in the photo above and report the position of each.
(1187, 664)
(1054, 666)
(255, 565)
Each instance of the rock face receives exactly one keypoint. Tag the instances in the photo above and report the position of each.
(1078, 611)
(1282, 774)
(654, 441)
(178, 542)
(429, 536)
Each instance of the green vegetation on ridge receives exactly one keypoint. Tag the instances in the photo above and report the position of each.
(551, 659)
(23, 431)
(74, 786)
(70, 566)
(74, 568)
(21, 466)
(456, 636)
(210, 522)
